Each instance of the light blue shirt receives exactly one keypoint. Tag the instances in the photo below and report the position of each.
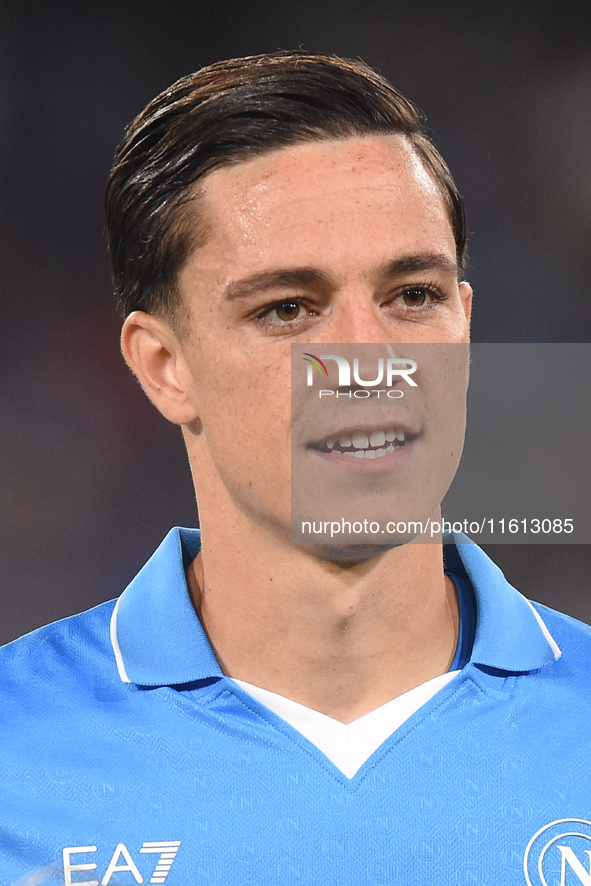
(126, 756)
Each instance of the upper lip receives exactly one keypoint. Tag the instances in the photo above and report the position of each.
(363, 429)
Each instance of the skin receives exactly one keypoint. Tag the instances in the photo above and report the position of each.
(342, 637)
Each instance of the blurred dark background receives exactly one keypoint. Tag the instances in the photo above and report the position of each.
(91, 478)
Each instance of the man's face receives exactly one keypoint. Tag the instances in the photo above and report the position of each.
(341, 241)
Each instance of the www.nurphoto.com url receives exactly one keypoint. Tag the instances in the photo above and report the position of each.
(492, 525)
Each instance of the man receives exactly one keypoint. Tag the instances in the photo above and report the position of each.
(252, 710)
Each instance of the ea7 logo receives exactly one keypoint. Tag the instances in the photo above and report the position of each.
(121, 860)
(559, 854)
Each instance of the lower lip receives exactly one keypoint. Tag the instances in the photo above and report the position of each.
(369, 465)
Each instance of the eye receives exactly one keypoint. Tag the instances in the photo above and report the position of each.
(284, 317)
(415, 297)
(287, 310)
(420, 298)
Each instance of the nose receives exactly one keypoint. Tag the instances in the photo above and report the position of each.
(356, 318)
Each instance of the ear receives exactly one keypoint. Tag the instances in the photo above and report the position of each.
(466, 299)
(156, 357)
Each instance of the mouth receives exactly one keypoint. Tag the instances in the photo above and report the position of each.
(366, 444)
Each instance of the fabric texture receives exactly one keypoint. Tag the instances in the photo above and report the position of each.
(349, 745)
(128, 757)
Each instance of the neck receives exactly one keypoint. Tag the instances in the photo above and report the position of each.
(342, 639)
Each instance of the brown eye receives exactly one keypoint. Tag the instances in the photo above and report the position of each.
(289, 310)
(414, 298)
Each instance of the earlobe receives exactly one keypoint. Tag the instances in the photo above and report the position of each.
(155, 356)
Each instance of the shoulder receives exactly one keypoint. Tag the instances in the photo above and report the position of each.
(58, 661)
(573, 638)
(564, 686)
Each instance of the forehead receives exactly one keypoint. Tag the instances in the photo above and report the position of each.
(320, 203)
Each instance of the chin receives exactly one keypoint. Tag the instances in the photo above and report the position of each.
(353, 553)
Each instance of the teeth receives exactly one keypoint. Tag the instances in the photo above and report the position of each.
(377, 438)
(370, 453)
(360, 440)
(359, 443)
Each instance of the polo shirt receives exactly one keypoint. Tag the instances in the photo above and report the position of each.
(349, 745)
(126, 756)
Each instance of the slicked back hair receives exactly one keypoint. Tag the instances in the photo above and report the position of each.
(225, 114)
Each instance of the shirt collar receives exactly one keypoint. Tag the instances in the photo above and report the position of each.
(510, 634)
(158, 639)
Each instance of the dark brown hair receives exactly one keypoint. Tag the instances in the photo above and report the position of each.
(224, 114)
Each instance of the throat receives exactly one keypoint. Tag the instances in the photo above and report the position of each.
(342, 639)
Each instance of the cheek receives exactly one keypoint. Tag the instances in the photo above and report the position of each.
(245, 413)
(245, 444)
(460, 319)
(454, 327)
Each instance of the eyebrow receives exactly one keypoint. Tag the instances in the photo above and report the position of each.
(285, 278)
(279, 279)
(429, 261)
